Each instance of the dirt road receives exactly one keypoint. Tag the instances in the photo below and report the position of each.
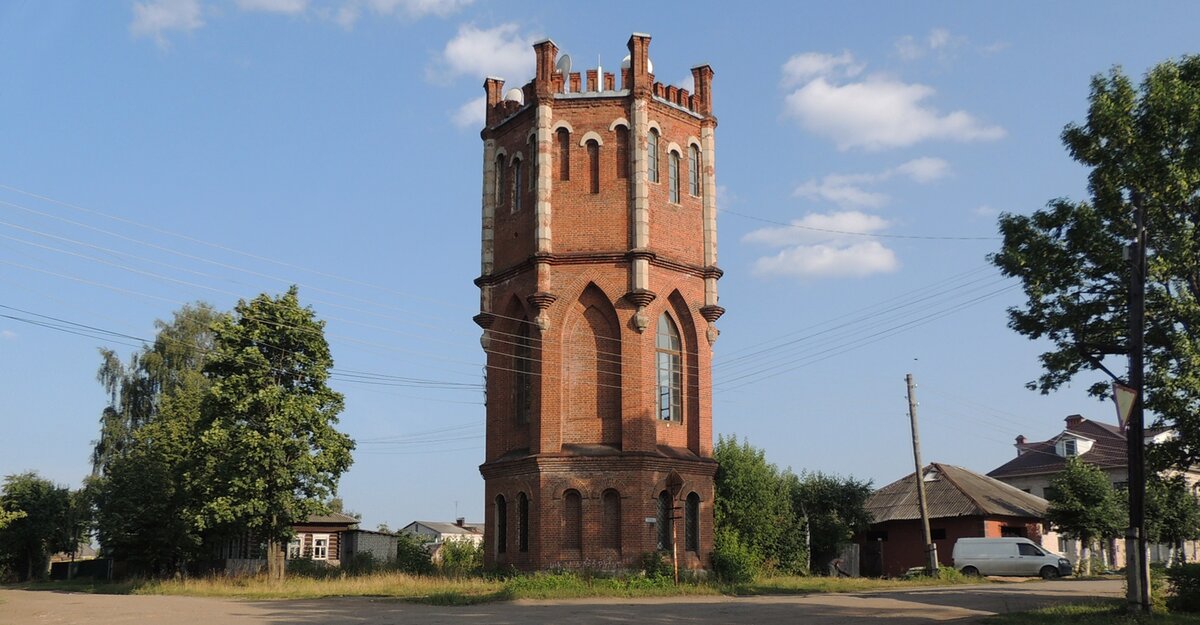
(928, 605)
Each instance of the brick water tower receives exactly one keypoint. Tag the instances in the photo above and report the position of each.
(598, 303)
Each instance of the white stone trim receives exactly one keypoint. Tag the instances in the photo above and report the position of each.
(516, 156)
(590, 135)
(674, 147)
(620, 121)
(653, 124)
(562, 123)
(692, 141)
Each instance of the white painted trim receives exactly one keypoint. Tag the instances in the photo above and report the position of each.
(500, 152)
(562, 123)
(317, 537)
(692, 141)
(516, 156)
(674, 147)
(653, 124)
(620, 121)
(589, 136)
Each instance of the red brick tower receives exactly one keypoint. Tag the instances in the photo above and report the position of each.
(598, 302)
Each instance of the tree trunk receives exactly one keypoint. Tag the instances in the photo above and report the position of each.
(274, 561)
(1085, 556)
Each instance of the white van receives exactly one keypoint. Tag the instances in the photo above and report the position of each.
(1008, 556)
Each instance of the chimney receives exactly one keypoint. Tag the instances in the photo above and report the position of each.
(1020, 444)
(1074, 420)
(460, 521)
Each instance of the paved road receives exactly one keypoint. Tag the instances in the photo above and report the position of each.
(931, 605)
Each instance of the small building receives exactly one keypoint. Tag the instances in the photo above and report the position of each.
(961, 504)
(382, 546)
(438, 532)
(319, 537)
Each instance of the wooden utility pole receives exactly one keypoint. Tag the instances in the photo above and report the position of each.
(930, 548)
(1137, 568)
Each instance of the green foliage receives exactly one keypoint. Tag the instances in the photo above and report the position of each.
(1083, 505)
(1183, 584)
(835, 511)
(752, 500)
(271, 454)
(411, 555)
(54, 520)
(460, 558)
(1172, 513)
(733, 561)
(1139, 143)
(657, 564)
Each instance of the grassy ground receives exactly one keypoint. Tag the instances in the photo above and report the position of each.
(1095, 613)
(447, 591)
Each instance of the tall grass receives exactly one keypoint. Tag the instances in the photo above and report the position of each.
(385, 584)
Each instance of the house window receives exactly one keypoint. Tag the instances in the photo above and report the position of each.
(673, 177)
(522, 374)
(572, 520)
(652, 155)
(622, 152)
(295, 548)
(523, 522)
(593, 151)
(610, 528)
(517, 190)
(320, 550)
(501, 524)
(664, 521)
(564, 154)
(669, 350)
(1070, 447)
(691, 523)
(694, 170)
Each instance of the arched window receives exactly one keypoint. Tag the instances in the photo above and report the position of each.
(517, 186)
(501, 524)
(610, 521)
(522, 367)
(572, 520)
(522, 522)
(622, 152)
(652, 155)
(593, 151)
(694, 170)
(691, 523)
(564, 154)
(499, 181)
(533, 162)
(673, 177)
(664, 521)
(669, 350)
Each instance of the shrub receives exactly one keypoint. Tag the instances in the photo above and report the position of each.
(361, 564)
(461, 558)
(1183, 583)
(411, 555)
(307, 567)
(657, 564)
(734, 561)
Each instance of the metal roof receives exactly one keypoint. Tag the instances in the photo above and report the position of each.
(952, 491)
(1108, 451)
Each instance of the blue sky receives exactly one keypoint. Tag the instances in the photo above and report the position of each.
(158, 152)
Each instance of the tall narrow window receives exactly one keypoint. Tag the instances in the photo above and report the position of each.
(499, 181)
(572, 520)
(669, 350)
(501, 524)
(523, 522)
(622, 152)
(694, 170)
(518, 188)
(522, 367)
(664, 521)
(610, 522)
(691, 523)
(673, 177)
(593, 151)
(564, 154)
(652, 156)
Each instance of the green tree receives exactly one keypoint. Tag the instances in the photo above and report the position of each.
(272, 454)
(753, 500)
(1172, 513)
(1084, 506)
(1140, 144)
(411, 555)
(52, 522)
(460, 558)
(8, 516)
(833, 510)
(144, 494)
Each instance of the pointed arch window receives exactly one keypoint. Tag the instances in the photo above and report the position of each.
(533, 162)
(652, 155)
(500, 181)
(517, 186)
(694, 170)
(501, 524)
(664, 521)
(572, 520)
(523, 522)
(522, 367)
(593, 152)
(669, 352)
(673, 177)
(691, 523)
(564, 154)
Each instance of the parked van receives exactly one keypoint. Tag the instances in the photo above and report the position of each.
(1008, 556)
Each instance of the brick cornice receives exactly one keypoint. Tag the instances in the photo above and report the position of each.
(597, 258)
(626, 461)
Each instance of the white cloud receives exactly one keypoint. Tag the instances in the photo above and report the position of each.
(154, 18)
(808, 65)
(289, 7)
(471, 114)
(8, 335)
(879, 113)
(850, 190)
(985, 211)
(349, 12)
(857, 260)
(908, 48)
(501, 51)
(939, 41)
(818, 228)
